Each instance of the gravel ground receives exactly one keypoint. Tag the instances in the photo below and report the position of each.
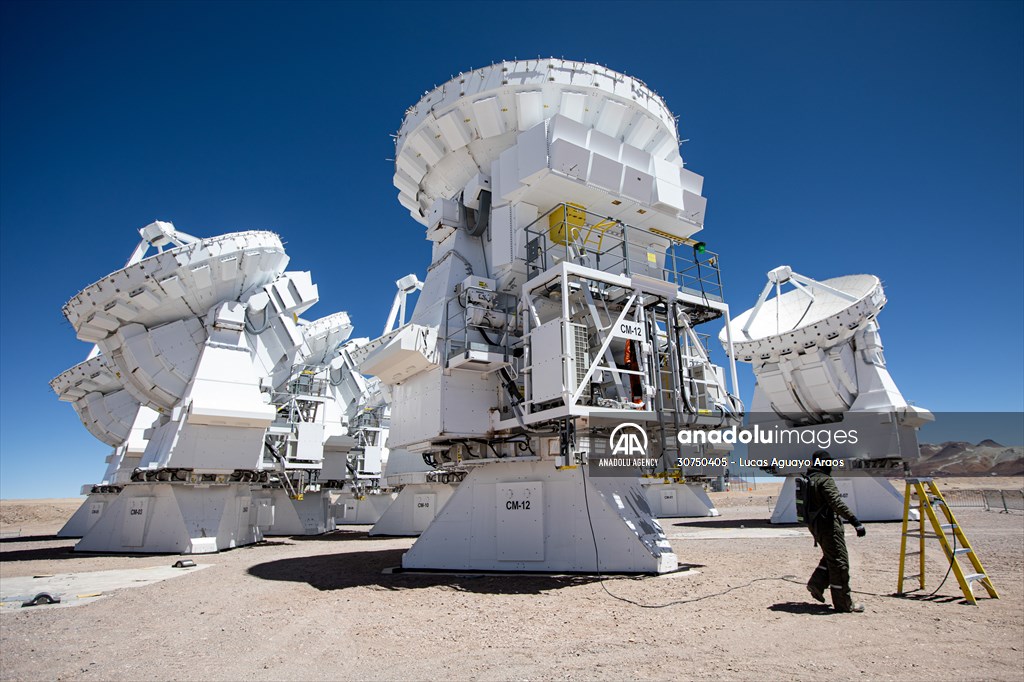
(321, 608)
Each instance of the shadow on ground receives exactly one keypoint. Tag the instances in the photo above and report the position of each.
(933, 598)
(40, 554)
(366, 569)
(803, 608)
(724, 522)
(339, 534)
(32, 538)
(67, 551)
(733, 522)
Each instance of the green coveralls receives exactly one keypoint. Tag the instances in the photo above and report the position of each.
(828, 511)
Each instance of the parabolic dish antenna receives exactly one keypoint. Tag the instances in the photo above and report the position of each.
(95, 389)
(460, 128)
(177, 283)
(147, 317)
(812, 315)
(323, 336)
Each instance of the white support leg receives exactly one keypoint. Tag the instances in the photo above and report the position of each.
(307, 516)
(415, 508)
(348, 509)
(679, 500)
(87, 515)
(157, 518)
(871, 498)
(530, 516)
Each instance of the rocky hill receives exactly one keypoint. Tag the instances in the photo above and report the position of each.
(958, 458)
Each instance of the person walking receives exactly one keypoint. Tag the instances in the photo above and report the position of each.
(826, 511)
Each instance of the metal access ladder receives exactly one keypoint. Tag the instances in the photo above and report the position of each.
(928, 498)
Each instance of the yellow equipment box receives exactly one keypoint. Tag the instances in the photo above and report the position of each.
(565, 223)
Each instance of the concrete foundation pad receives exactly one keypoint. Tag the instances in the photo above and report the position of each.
(737, 533)
(75, 589)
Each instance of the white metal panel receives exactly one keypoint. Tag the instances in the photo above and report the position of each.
(201, 276)
(416, 412)
(694, 207)
(226, 391)
(372, 458)
(564, 128)
(454, 131)
(145, 299)
(411, 164)
(411, 204)
(690, 181)
(572, 105)
(847, 491)
(637, 185)
(669, 503)
(424, 510)
(125, 311)
(610, 120)
(465, 534)
(635, 158)
(878, 500)
(667, 195)
(172, 286)
(546, 354)
(571, 160)
(404, 182)
(505, 175)
(309, 444)
(501, 236)
(662, 145)
(95, 511)
(428, 146)
(519, 524)
(529, 109)
(104, 321)
(489, 120)
(607, 173)
(468, 399)
(401, 357)
(245, 514)
(133, 529)
(602, 144)
(264, 513)
(531, 154)
(641, 132)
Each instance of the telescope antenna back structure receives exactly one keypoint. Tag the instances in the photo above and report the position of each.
(561, 296)
(821, 376)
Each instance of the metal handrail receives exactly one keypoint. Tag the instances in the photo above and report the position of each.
(458, 326)
(605, 244)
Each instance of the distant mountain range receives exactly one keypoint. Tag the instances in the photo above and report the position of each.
(957, 458)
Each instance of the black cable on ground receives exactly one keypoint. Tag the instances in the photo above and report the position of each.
(694, 599)
(597, 561)
(952, 558)
(790, 579)
(677, 602)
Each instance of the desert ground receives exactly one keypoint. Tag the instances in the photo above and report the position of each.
(323, 608)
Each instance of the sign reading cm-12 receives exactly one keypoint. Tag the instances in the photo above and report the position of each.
(629, 330)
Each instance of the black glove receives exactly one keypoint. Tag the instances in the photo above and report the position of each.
(859, 527)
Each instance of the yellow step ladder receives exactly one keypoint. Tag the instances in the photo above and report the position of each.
(928, 498)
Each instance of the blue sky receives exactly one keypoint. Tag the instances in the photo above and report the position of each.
(836, 138)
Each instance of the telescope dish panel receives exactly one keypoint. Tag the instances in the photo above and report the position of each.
(98, 395)
(323, 336)
(178, 283)
(88, 376)
(815, 314)
(460, 128)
